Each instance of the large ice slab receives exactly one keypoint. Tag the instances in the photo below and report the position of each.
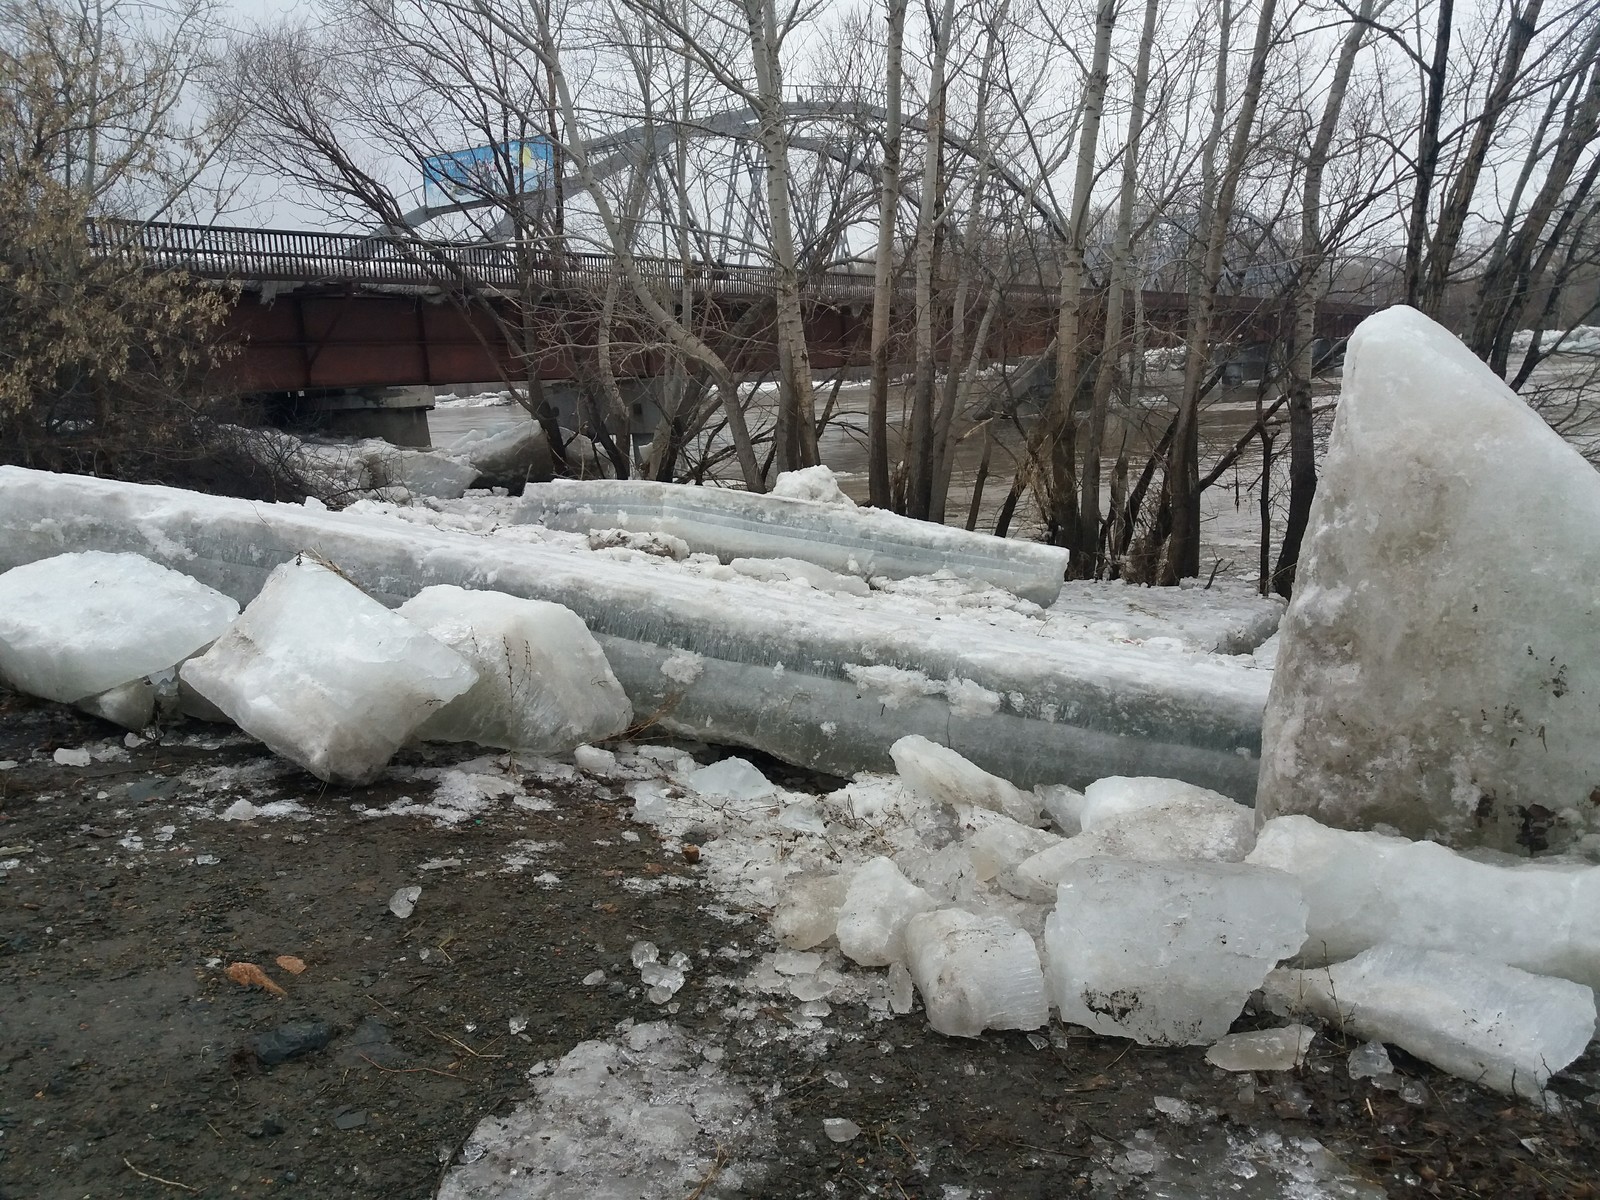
(1167, 953)
(325, 675)
(975, 973)
(76, 625)
(1366, 888)
(723, 660)
(734, 524)
(544, 686)
(1472, 1017)
(1440, 661)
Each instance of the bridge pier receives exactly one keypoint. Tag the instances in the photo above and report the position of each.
(396, 414)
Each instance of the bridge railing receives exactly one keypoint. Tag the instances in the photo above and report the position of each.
(304, 256)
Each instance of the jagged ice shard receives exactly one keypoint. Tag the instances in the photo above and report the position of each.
(1440, 661)
(851, 541)
(722, 660)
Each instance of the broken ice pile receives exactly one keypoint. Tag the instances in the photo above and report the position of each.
(325, 675)
(842, 538)
(1481, 1020)
(664, 980)
(1167, 953)
(544, 686)
(104, 631)
(1440, 662)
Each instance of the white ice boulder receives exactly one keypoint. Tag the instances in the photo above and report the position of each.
(325, 675)
(1440, 662)
(1001, 844)
(816, 484)
(736, 779)
(872, 920)
(1478, 1019)
(512, 456)
(1167, 953)
(1118, 795)
(1184, 828)
(940, 775)
(975, 973)
(77, 625)
(1362, 889)
(544, 686)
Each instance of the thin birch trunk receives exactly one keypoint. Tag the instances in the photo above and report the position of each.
(883, 267)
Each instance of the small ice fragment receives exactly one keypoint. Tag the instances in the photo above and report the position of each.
(735, 778)
(404, 901)
(593, 978)
(815, 1008)
(795, 962)
(679, 961)
(877, 905)
(1370, 1060)
(810, 987)
(902, 988)
(241, 810)
(1180, 1112)
(206, 860)
(808, 910)
(660, 994)
(72, 758)
(517, 1025)
(132, 741)
(1265, 1050)
(942, 776)
(645, 952)
(439, 864)
(1412, 1091)
(594, 760)
(840, 1129)
(836, 1078)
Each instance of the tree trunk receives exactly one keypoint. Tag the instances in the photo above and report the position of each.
(1087, 564)
(883, 268)
(1308, 291)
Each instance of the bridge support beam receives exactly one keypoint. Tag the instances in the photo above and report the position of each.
(395, 414)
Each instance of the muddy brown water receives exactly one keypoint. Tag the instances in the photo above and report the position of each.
(129, 1065)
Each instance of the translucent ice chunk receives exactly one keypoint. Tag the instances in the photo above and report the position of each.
(1167, 953)
(325, 675)
(544, 686)
(1440, 661)
(877, 905)
(734, 779)
(1263, 1050)
(1000, 846)
(1469, 1016)
(808, 910)
(1063, 805)
(1370, 1060)
(975, 973)
(732, 524)
(134, 704)
(77, 625)
(939, 774)
(1366, 888)
(791, 570)
(420, 472)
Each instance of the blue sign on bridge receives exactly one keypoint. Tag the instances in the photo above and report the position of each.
(485, 171)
